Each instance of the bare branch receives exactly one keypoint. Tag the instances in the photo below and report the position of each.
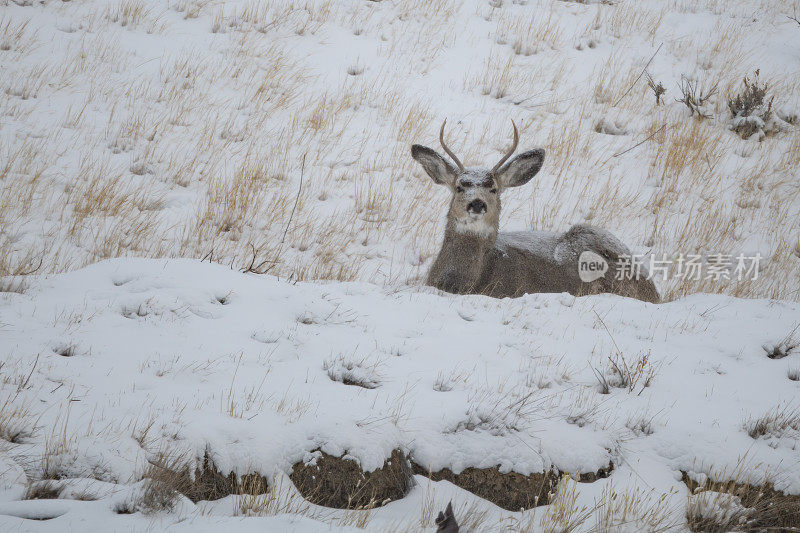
(638, 77)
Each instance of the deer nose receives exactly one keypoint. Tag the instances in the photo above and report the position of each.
(476, 206)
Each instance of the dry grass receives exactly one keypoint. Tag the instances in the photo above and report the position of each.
(59, 448)
(634, 508)
(696, 96)
(15, 36)
(447, 381)
(360, 373)
(738, 505)
(631, 373)
(15, 284)
(280, 497)
(501, 79)
(498, 411)
(201, 155)
(171, 474)
(42, 490)
(472, 516)
(715, 512)
(784, 347)
(780, 421)
(629, 510)
(564, 514)
(530, 34)
(641, 424)
(16, 420)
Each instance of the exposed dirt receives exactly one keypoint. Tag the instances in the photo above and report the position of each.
(340, 483)
(208, 483)
(511, 491)
(591, 477)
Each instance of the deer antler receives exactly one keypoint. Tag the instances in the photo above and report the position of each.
(510, 151)
(447, 150)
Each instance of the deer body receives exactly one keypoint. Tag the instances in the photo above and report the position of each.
(476, 258)
(530, 262)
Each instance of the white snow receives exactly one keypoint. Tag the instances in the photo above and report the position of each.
(126, 358)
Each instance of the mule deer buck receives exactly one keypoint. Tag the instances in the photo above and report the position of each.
(476, 258)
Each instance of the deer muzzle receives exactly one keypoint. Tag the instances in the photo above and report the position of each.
(476, 207)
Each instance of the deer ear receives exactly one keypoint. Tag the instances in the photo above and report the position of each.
(521, 169)
(436, 166)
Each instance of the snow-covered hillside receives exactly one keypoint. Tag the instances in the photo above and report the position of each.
(166, 128)
(153, 150)
(114, 365)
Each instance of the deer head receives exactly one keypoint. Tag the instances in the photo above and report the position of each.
(475, 204)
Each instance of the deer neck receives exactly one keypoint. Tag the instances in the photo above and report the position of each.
(469, 250)
(456, 236)
(461, 263)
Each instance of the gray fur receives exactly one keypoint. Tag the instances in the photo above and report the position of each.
(521, 169)
(446, 521)
(437, 167)
(476, 258)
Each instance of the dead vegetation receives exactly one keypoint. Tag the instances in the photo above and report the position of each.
(255, 498)
(695, 97)
(715, 512)
(641, 425)
(565, 514)
(657, 88)
(631, 374)
(42, 490)
(751, 110)
(644, 510)
(165, 480)
(359, 373)
(351, 221)
(778, 422)
(739, 506)
(16, 421)
(784, 347)
(170, 475)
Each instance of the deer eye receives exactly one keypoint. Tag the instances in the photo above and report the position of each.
(493, 191)
(459, 189)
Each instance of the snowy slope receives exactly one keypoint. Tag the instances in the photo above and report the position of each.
(166, 128)
(120, 360)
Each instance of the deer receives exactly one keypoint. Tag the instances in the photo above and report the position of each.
(476, 258)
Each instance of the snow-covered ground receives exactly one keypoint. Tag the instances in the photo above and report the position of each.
(138, 137)
(112, 364)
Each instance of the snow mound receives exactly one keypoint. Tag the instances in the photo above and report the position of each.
(114, 363)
